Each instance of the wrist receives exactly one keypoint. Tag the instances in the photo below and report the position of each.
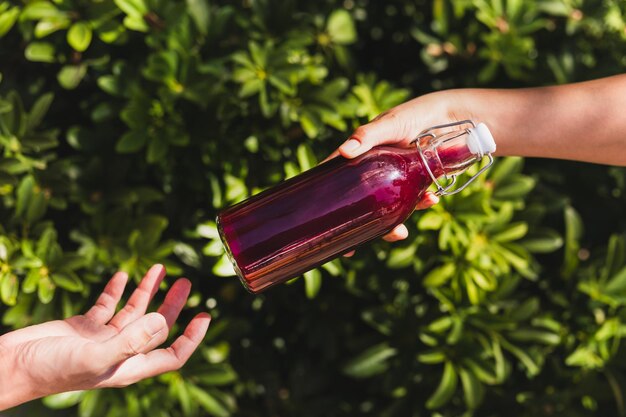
(500, 110)
(7, 392)
(15, 387)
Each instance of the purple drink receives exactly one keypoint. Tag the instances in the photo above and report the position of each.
(329, 210)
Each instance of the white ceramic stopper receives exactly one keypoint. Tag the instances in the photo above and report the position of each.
(480, 141)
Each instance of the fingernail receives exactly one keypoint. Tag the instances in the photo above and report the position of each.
(351, 145)
(435, 198)
(155, 324)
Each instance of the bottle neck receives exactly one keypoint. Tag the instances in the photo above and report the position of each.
(448, 154)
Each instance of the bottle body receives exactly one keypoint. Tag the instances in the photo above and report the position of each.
(321, 214)
(338, 205)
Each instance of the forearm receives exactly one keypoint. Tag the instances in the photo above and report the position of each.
(14, 389)
(583, 121)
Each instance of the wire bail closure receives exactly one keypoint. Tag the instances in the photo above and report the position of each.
(441, 190)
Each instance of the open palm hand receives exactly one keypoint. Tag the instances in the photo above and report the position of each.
(101, 348)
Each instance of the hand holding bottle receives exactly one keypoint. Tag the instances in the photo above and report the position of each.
(582, 121)
(399, 126)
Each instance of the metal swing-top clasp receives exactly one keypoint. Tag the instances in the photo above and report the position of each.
(480, 142)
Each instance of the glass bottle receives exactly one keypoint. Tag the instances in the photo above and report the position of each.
(338, 205)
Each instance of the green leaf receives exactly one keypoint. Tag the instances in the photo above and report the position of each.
(431, 357)
(133, 8)
(573, 233)
(341, 27)
(218, 374)
(282, 84)
(306, 158)
(223, 267)
(208, 402)
(5, 106)
(446, 388)
(184, 396)
(46, 290)
(63, 400)
(515, 188)
(585, 358)
(371, 362)
(50, 25)
(200, 14)
(157, 149)
(615, 256)
(258, 53)
(440, 275)
(111, 85)
(472, 388)
(208, 230)
(532, 368)
(251, 87)
(131, 141)
(430, 220)
(137, 23)
(79, 36)
(440, 16)
(13, 123)
(535, 336)
(616, 285)
(481, 372)
(542, 242)
(511, 232)
(36, 207)
(89, 404)
(526, 310)
(24, 194)
(401, 257)
(31, 282)
(486, 281)
(8, 19)
(505, 168)
(71, 75)
(40, 52)
(161, 66)
(311, 124)
(312, 282)
(236, 188)
(9, 288)
(37, 10)
(68, 281)
(39, 110)
(441, 324)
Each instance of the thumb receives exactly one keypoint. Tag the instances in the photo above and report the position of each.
(389, 128)
(140, 336)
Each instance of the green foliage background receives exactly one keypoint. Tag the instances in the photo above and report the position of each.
(126, 125)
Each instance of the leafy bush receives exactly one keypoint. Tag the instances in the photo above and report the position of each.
(125, 125)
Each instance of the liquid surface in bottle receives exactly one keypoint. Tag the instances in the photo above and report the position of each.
(325, 212)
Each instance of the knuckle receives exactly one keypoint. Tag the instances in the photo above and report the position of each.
(132, 346)
(129, 308)
(391, 116)
(361, 132)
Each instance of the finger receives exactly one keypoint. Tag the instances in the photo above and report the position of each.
(398, 233)
(388, 129)
(331, 156)
(140, 336)
(349, 254)
(105, 305)
(140, 299)
(428, 200)
(162, 360)
(175, 300)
